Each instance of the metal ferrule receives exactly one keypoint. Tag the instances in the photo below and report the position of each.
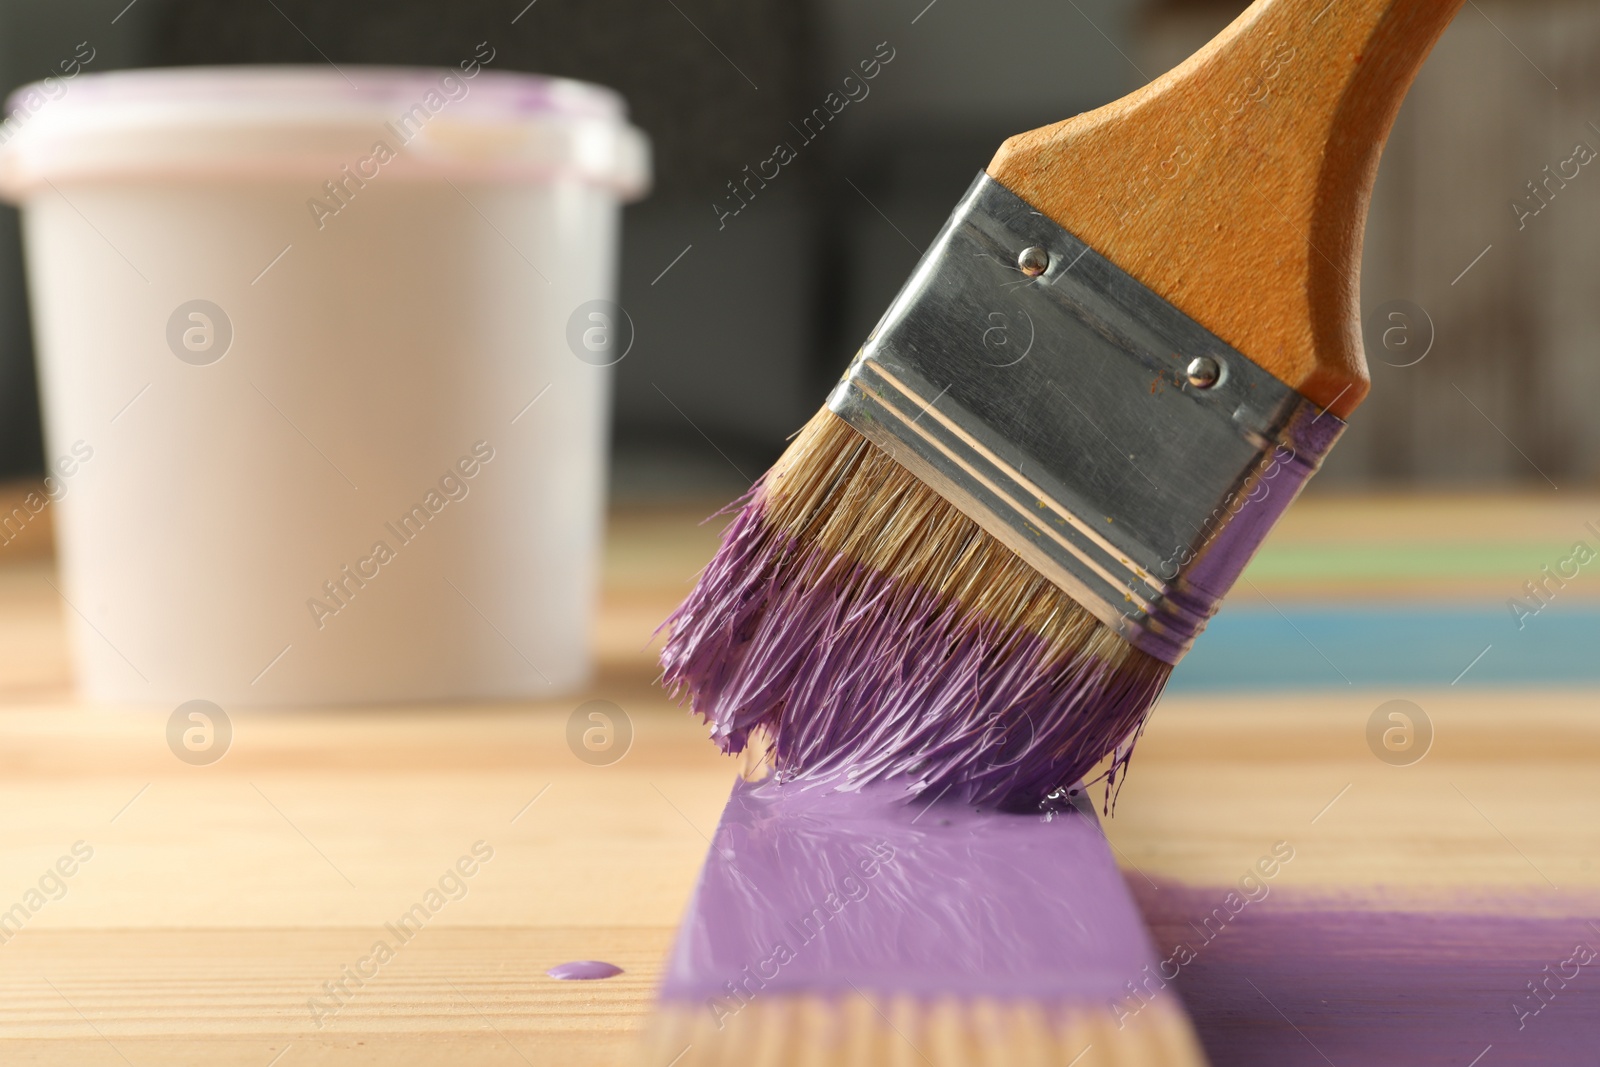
(1078, 417)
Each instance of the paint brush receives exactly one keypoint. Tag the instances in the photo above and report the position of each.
(834, 927)
(1127, 350)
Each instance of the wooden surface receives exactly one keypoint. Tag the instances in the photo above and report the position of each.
(220, 898)
(1236, 185)
(857, 1031)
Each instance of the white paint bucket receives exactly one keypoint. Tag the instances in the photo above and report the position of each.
(316, 426)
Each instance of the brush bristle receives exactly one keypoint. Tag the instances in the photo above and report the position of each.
(872, 631)
(791, 1030)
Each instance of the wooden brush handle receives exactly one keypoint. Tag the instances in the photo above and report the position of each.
(1236, 185)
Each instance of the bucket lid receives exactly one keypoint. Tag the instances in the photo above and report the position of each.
(265, 122)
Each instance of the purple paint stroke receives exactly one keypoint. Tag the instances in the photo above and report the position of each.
(818, 891)
(584, 970)
(1301, 981)
(858, 678)
(865, 892)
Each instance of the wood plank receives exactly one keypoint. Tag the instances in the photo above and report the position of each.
(220, 898)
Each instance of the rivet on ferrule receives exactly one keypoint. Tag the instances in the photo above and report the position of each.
(1203, 372)
(1040, 451)
(1033, 261)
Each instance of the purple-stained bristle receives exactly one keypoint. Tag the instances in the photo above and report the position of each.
(856, 677)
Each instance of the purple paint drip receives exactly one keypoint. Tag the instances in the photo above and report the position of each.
(858, 678)
(584, 970)
(1351, 983)
(811, 890)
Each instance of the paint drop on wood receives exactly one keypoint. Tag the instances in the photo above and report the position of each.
(584, 970)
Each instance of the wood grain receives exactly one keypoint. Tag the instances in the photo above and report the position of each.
(861, 1031)
(1236, 185)
(217, 902)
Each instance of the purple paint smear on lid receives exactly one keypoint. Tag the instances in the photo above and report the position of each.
(258, 92)
(584, 970)
(818, 891)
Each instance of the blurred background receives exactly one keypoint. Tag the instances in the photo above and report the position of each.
(743, 321)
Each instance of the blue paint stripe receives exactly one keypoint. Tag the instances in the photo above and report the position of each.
(1305, 647)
